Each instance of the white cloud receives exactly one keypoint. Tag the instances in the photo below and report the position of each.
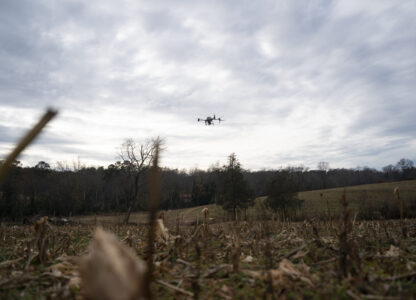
(296, 82)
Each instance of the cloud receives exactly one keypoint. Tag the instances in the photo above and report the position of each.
(296, 82)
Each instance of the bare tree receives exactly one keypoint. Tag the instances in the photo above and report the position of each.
(136, 160)
(323, 167)
(404, 164)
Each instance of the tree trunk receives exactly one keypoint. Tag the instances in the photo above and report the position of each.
(136, 192)
(126, 219)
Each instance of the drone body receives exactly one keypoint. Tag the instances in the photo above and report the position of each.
(210, 120)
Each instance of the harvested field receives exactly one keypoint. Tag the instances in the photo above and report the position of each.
(225, 261)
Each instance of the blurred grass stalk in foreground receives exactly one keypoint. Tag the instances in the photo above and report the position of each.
(25, 141)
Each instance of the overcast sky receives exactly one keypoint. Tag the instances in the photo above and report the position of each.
(297, 82)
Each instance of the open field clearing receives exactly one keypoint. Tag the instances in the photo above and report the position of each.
(361, 198)
(225, 261)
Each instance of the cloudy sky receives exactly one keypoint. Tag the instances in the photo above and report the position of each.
(297, 82)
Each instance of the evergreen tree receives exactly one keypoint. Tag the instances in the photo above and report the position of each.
(234, 192)
(282, 192)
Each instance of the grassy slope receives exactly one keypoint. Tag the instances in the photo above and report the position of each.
(313, 204)
(355, 194)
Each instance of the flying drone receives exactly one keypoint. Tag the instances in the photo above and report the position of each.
(210, 120)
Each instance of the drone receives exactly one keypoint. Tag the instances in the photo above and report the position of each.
(210, 120)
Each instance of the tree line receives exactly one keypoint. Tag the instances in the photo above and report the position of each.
(123, 186)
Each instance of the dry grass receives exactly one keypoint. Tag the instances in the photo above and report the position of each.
(227, 261)
(373, 193)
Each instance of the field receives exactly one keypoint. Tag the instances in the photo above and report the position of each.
(361, 197)
(368, 196)
(197, 258)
